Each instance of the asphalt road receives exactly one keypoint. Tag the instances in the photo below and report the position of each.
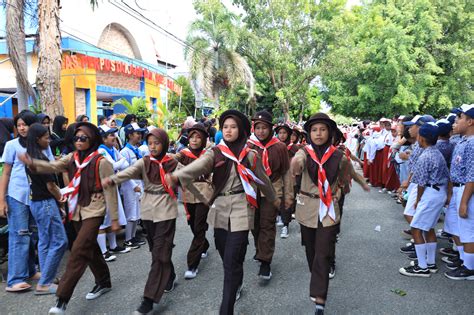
(367, 272)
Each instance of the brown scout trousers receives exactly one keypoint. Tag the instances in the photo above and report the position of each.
(319, 245)
(264, 231)
(160, 236)
(197, 221)
(85, 252)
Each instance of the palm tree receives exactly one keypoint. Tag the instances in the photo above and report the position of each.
(48, 75)
(137, 107)
(15, 29)
(211, 54)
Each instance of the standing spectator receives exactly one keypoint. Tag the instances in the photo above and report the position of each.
(14, 201)
(57, 136)
(44, 208)
(129, 119)
(82, 118)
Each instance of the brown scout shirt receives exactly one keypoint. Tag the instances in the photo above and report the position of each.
(156, 204)
(233, 212)
(307, 208)
(204, 186)
(99, 200)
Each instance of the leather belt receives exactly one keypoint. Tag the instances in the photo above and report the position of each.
(230, 193)
(458, 184)
(152, 192)
(435, 186)
(314, 196)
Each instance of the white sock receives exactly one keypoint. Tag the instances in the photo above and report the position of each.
(421, 255)
(135, 226)
(129, 230)
(431, 253)
(461, 252)
(112, 240)
(102, 243)
(469, 260)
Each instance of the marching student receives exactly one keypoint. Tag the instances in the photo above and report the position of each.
(276, 163)
(236, 169)
(430, 175)
(283, 132)
(88, 202)
(196, 211)
(317, 208)
(462, 183)
(131, 189)
(286, 214)
(44, 199)
(108, 150)
(159, 210)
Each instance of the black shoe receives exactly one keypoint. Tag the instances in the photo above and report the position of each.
(444, 235)
(450, 260)
(408, 249)
(433, 268)
(454, 265)
(109, 257)
(170, 284)
(255, 258)
(131, 244)
(446, 251)
(462, 273)
(265, 271)
(138, 240)
(60, 307)
(145, 307)
(120, 249)
(97, 291)
(412, 256)
(319, 310)
(415, 271)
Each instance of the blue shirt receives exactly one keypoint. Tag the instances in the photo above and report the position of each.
(455, 139)
(446, 148)
(430, 168)
(417, 150)
(462, 165)
(18, 185)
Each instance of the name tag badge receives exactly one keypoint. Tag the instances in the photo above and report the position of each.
(299, 201)
(213, 206)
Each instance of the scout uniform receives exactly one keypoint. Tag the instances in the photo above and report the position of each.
(88, 202)
(316, 210)
(159, 210)
(232, 212)
(276, 162)
(196, 211)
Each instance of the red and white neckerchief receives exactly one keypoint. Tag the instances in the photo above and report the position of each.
(326, 204)
(245, 174)
(71, 191)
(191, 155)
(165, 159)
(266, 163)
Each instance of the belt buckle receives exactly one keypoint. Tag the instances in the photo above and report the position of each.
(227, 193)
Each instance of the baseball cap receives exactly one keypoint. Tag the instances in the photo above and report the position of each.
(444, 126)
(134, 127)
(429, 130)
(467, 109)
(420, 120)
(106, 130)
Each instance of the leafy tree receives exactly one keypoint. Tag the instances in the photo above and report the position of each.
(187, 98)
(138, 107)
(212, 55)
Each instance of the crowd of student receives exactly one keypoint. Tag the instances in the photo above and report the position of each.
(250, 176)
(426, 165)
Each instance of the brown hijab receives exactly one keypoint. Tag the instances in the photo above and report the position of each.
(332, 165)
(153, 169)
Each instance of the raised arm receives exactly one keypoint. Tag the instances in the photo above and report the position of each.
(132, 172)
(202, 166)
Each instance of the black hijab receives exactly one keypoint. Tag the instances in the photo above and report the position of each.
(6, 130)
(95, 140)
(58, 123)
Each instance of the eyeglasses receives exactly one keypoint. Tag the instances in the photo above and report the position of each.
(80, 138)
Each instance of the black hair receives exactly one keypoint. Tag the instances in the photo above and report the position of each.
(406, 134)
(58, 123)
(143, 123)
(128, 119)
(70, 132)
(81, 117)
(6, 130)
(29, 118)
(100, 118)
(35, 132)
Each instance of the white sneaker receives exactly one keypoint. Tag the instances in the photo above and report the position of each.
(97, 291)
(284, 232)
(56, 310)
(204, 255)
(279, 221)
(190, 274)
(109, 257)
